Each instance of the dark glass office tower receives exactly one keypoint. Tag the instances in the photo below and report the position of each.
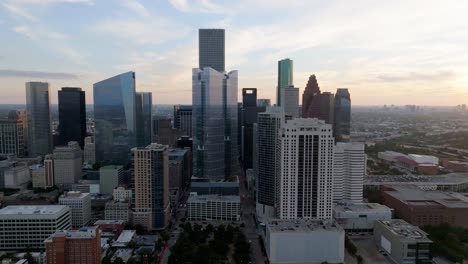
(143, 104)
(38, 114)
(342, 122)
(211, 49)
(183, 118)
(72, 115)
(250, 112)
(115, 118)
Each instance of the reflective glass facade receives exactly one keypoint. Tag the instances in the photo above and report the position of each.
(214, 123)
(114, 116)
(144, 104)
(211, 49)
(38, 114)
(342, 123)
(285, 78)
(72, 115)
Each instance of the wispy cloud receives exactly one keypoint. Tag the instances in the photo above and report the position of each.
(204, 6)
(37, 74)
(136, 7)
(415, 76)
(19, 11)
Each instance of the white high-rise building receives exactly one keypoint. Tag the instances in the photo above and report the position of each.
(305, 182)
(68, 163)
(349, 170)
(89, 150)
(80, 204)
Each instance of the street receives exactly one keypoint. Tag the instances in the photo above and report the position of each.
(248, 214)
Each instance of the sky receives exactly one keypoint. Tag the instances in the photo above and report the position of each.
(385, 52)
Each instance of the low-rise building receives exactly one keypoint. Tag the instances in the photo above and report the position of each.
(453, 182)
(26, 227)
(74, 246)
(126, 236)
(80, 204)
(213, 207)
(123, 194)
(403, 242)
(17, 177)
(87, 186)
(203, 186)
(117, 210)
(360, 217)
(110, 176)
(304, 241)
(115, 226)
(422, 208)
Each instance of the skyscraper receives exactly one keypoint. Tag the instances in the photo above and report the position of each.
(285, 78)
(214, 121)
(348, 172)
(211, 49)
(290, 101)
(38, 113)
(268, 149)
(114, 116)
(183, 118)
(310, 98)
(12, 137)
(305, 187)
(342, 120)
(152, 207)
(249, 114)
(72, 115)
(143, 105)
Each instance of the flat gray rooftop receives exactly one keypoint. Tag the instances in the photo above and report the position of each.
(32, 209)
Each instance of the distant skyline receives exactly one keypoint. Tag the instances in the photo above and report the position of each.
(396, 52)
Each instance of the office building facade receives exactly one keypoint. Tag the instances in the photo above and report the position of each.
(285, 78)
(183, 118)
(12, 138)
(144, 117)
(249, 115)
(115, 118)
(290, 101)
(342, 115)
(67, 164)
(306, 180)
(74, 246)
(89, 151)
(110, 177)
(152, 207)
(38, 114)
(80, 204)
(215, 123)
(26, 227)
(213, 207)
(350, 166)
(117, 210)
(268, 160)
(211, 48)
(72, 115)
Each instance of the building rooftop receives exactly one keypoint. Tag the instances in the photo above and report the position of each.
(32, 209)
(447, 179)
(360, 207)
(73, 195)
(279, 225)
(412, 195)
(213, 197)
(86, 232)
(109, 222)
(111, 167)
(405, 231)
(126, 236)
(124, 253)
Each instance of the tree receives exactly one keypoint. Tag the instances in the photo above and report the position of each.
(118, 260)
(132, 260)
(359, 259)
(106, 260)
(28, 256)
(140, 230)
(165, 236)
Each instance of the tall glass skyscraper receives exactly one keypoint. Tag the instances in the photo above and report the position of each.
(342, 122)
(38, 114)
(144, 105)
(285, 78)
(115, 118)
(268, 160)
(214, 123)
(72, 115)
(211, 49)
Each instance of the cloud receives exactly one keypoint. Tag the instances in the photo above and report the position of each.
(37, 74)
(192, 6)
(413, 76)
(136, 7)
(18, 11)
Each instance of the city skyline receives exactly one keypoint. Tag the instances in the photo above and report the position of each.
(367, 48)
